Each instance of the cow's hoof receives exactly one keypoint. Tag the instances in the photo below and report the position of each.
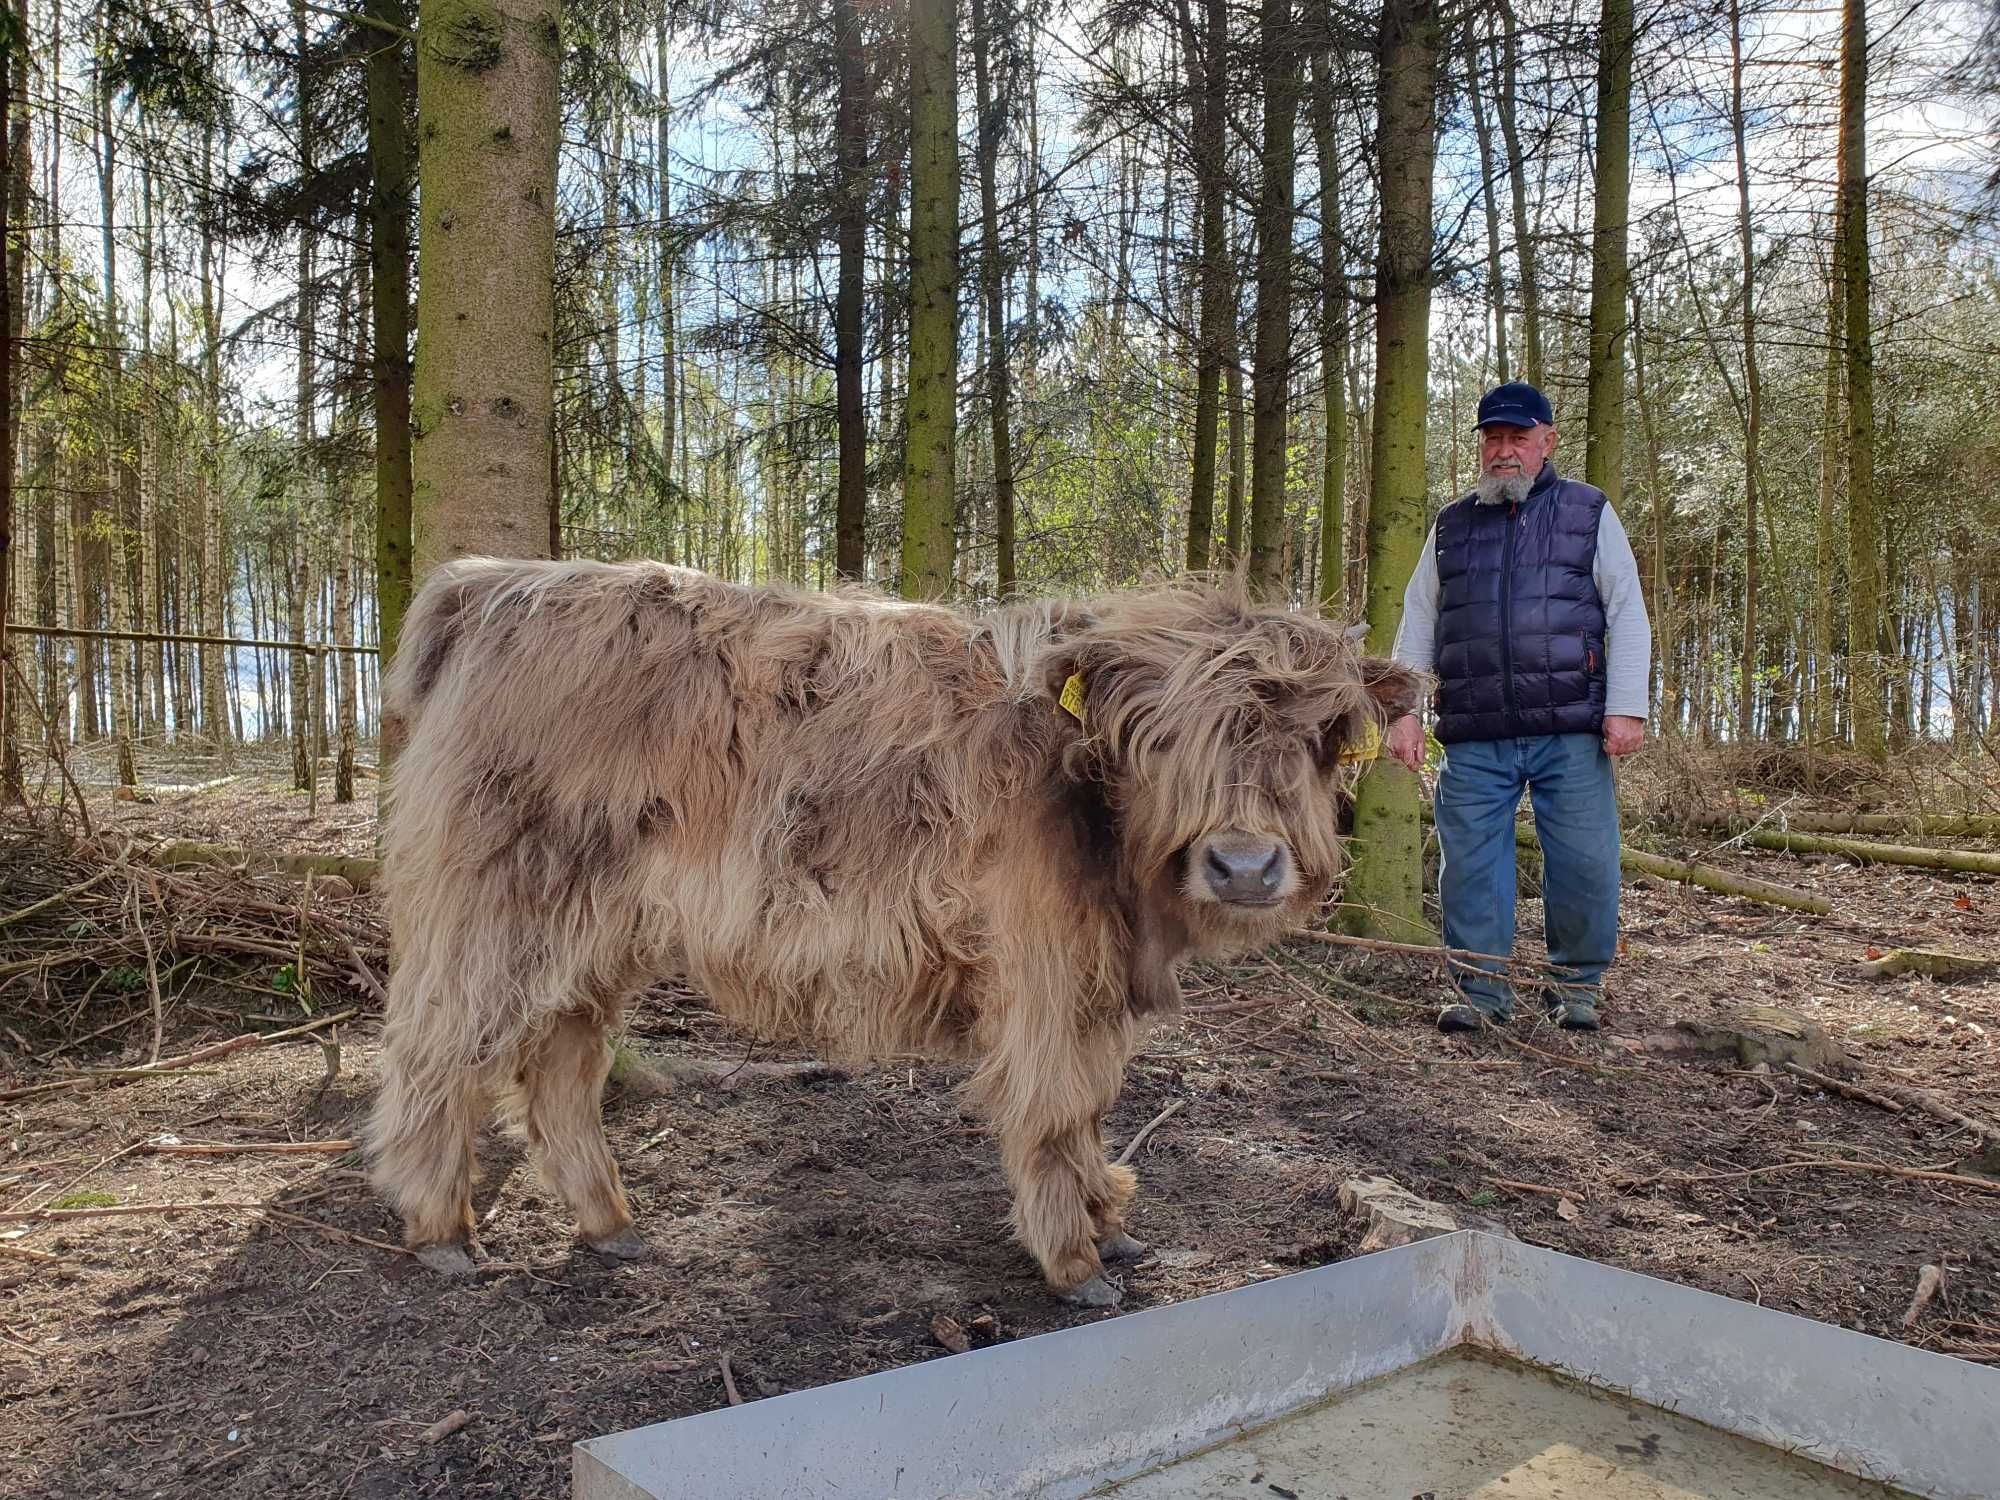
(626, 1244)
(447, 1260)
(1096, 1292)
(1120, 1246)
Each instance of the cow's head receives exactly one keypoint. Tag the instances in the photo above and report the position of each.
(1214, 732)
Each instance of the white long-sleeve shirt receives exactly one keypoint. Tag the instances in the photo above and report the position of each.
(1628, 633)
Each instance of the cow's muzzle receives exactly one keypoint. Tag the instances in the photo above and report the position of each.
(1245, 869)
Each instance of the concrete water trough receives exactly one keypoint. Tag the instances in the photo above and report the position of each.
(1465, 1365)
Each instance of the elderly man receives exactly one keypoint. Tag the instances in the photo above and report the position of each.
(1526, 606)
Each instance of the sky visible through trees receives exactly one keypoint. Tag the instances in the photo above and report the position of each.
(196, 445)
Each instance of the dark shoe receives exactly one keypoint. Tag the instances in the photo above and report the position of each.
(1461, 1016)
(1574, 1015)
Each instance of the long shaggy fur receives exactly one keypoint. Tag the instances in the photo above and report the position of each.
(853, 822)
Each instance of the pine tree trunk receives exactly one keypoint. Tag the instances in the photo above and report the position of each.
(1659, 590)
(483, 396)
(610, 436)
(1610, 276)
(1271, 382)
(1825, 532)
(1031, 328)
(1239, 445)
(672, 497)
(150, 658)
(999, 376)
(1385, 887)
(1517, 176)
(1205, 60)
(1753, 386)
(1496, 281)
(299, 678)
(220, 718)
(1128, 216)
(389, 207)
(310, 472)
(1333, 313)
(13, 181)
(115, 541)
(851, 418)
(929, 538)
(343, 636)
(1864, 546)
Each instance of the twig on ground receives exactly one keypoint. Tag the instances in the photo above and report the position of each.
(366, 975)
(1529, 1187)
(229, 1455)
(1918, 1174)
(67, 893)
(50, 960)
(1467, 959)
(1569, 1062)
(52, 743)
(245, 1148)
(729, 1382)
(8, 1247)
(1845, 1090)
(301, 975)
(282, 1215)
(1929, 1281)
(102, 1161)
(1372, 997)
(209, 1053)
(1459, 1062)
(1935, 1107)
(152, 975)
(445, 1426)
(1132, 1148)
(128, 1210)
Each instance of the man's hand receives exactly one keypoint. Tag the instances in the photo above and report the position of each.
(1406, 741)
(1623, 734)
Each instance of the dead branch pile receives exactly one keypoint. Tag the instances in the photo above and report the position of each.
(96, 938)
(1815, 770)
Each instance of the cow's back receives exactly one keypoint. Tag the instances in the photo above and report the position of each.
(790, 797)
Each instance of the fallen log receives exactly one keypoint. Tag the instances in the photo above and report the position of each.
(166, 1065)
(1938, 963)
(357, 870)
(1972, 862)
(1708, 877)
(1690, 872)
(1919, 825)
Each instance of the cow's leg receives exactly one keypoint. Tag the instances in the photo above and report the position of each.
(1120, 1187)
(562, 1084)
(1069, 1206)
(1045, 1101)
(421, 1135)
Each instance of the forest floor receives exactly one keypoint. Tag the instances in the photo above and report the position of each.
(809, 1225)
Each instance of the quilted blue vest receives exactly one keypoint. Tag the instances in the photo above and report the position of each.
(1520, 640)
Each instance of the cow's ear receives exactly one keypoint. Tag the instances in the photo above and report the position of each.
(1389, 691)
(1393, 687)
(1066, 677)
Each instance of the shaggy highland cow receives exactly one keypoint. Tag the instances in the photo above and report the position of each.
(872, 827)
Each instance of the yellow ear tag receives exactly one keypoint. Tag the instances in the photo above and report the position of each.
(1369, 747)
(1072, 696)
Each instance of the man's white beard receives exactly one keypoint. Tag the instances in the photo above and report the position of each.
(1503, 489)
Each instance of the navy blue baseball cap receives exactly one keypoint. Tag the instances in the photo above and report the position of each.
(1516, 403)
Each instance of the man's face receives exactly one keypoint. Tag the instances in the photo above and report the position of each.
(1508, 452)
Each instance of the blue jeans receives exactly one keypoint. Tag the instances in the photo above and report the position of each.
(1568, 777)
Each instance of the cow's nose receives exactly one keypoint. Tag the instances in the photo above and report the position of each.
(1248, 871)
